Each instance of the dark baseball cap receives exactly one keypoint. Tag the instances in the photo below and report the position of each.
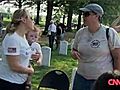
(94, 8)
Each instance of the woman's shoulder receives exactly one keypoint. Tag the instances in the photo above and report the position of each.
(111, 31)
(11, 37)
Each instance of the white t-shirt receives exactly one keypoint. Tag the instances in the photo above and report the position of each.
(94, 51)
(14, 45)
(35, 47)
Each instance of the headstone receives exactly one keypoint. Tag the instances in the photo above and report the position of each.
(63, 47)
(3, 32)
(73, 76)
(46, 51)
(0, 52)
(72, 41)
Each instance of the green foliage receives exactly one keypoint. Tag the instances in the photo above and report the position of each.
(6, 21)
(42, 24)
(74, 20)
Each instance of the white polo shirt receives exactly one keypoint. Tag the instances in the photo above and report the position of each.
(14, 45)
(94, 51)
(52, 28)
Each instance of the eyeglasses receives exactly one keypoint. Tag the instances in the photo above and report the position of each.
(86, 14)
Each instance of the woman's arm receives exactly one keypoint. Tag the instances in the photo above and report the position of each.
(15, 66)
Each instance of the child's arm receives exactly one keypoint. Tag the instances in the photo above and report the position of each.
(39, 61)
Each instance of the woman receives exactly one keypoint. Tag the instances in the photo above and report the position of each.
(14, 68)
(91, 48)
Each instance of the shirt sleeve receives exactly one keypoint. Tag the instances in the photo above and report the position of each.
(114, 39)
(36, 46)
(11, 46)
(76, 41)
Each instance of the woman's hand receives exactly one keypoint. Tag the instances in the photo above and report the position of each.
(31, 70)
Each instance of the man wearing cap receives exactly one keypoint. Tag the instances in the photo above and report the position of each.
(92, 49)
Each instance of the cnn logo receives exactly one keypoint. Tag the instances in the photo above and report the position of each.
(113, 82)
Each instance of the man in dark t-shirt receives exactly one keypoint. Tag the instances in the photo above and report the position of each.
(60, 33)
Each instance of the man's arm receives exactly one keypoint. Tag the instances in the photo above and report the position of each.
(116, 57)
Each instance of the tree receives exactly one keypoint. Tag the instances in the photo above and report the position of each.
(38, 3)
(72, 4)
(38, 10)
(49, 14)
(70, 12)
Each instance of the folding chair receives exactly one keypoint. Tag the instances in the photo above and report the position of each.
(55, 79)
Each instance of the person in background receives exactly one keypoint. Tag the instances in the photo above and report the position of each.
(51, 34)
(63, 31)
(116, 24)
(16, 54)
(108, 81)
(91, 48)
(60, 33)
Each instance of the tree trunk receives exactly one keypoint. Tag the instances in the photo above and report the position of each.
(69, 20)
(38, 10)
(64, 19)
(79, 21)
(20, 4)
(49, 15)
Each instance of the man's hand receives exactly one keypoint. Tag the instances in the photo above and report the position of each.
(75, 54)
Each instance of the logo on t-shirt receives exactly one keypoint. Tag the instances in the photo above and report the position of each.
(11, 50)
(95, 44)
